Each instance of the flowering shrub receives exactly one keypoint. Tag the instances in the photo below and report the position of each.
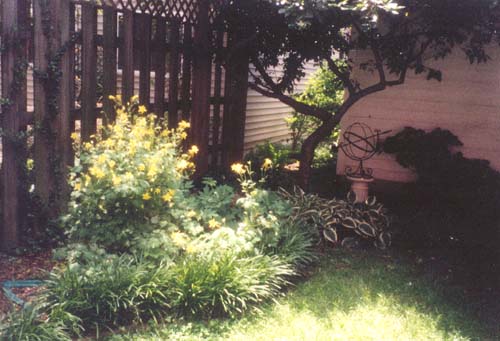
(128, 180)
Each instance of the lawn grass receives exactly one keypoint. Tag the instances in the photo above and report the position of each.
(354, 295)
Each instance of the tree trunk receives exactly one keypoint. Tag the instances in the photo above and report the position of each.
(309, 146)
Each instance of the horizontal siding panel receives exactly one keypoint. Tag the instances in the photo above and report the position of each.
(466, 102)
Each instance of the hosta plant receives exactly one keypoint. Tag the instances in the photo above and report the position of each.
(343, 222)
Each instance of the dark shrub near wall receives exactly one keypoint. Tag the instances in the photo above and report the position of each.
(458, 199)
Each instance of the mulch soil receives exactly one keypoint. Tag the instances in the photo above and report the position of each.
(23, 268)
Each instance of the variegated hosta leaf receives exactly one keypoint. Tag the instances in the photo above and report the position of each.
(385, 238)
(331, 235)
(349, 223)
(367, 230)
(351, 197)
(350, 242)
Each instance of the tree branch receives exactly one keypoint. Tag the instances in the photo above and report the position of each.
(344, 77)
(302, 108)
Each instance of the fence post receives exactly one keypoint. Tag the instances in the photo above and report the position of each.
(200, 114)
(236, 88)
(14, 25)
(53, 96)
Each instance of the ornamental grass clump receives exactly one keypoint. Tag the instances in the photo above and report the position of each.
(127, 178)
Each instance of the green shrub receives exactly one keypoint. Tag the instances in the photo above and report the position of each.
(324, 91)
(225, 284)
(125, 181)
(459, 195)
(27, 324)
(342, 221)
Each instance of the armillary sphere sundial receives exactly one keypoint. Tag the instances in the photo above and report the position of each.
(360, 143)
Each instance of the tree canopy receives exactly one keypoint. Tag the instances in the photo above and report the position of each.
(401, 36)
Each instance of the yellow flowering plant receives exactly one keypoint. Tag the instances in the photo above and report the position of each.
(128, 179)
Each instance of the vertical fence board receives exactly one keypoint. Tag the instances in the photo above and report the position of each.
(43, 177)
(173, 89)
(109, 62)
(127, 52)
(186, 72)
(13, 15)
(235, 101)
(89, 70)
(144, 37)
(200, 120)
(159, 66)
(217, 98)
(63, 148)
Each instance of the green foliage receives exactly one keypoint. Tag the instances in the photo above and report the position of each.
(225, 284)
(457, 196)
(124, 180)
(28, 325)
(324, 90)
(106, 290)
(342, 221)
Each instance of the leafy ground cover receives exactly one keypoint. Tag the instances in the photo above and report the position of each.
(352, 295)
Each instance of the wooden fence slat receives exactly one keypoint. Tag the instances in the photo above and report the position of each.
(200, 114)
(159, 66)
(109, 62)
(144, 34)
(127, 52)
(62, 126)
(217, 94)
(173, 89)
(186, 72)
(13, 23)
(235, 101)
(43, 179)
(89, 70)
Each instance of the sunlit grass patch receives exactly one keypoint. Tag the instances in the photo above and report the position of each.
(351, 296)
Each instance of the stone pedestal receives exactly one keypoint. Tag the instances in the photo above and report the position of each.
(360, 186)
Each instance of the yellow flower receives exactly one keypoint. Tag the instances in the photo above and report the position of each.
(134, 98)
(74, 136)
(167, 197)
(78, 186)
(191, 214)
(184, 135)
(179, 239)
(238, 168)
(101, 159)
(141, 167)
(182, 165)
(191, 248)
(111, 164)
(193, 151)
(142, 109)
(97, 172)
(268, 163)
(146, 196)
(184, 125)
(213, 224)
(116, 180)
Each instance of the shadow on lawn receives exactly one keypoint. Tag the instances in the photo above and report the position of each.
(350, 283)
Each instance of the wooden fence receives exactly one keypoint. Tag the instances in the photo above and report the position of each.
(79, 53)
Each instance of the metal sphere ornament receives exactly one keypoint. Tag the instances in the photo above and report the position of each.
(360, 143)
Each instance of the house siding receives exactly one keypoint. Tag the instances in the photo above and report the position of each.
(265, 117)
(466, 102)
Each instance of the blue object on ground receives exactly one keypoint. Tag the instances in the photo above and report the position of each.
(7, 287)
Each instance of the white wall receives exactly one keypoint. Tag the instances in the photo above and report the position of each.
(466, 102)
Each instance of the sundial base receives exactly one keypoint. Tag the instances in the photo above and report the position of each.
(360, 187)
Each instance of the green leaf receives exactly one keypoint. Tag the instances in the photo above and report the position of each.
(349, 223)
(330, 234)
(367, 230)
